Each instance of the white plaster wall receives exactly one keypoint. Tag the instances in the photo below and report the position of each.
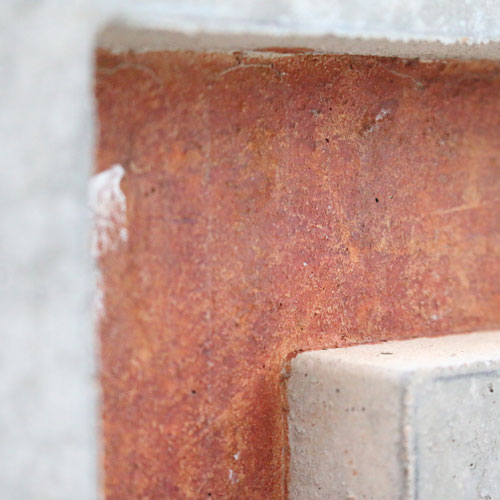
(48, 394)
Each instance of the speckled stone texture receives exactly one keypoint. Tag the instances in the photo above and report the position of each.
(277, 204)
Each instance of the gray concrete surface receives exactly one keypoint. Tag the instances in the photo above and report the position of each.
(48, 394)
(48, 419)
(413, 420)
(122, 37)
(445, 20)
(413, 28)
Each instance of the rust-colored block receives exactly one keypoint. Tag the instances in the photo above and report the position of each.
(278, 204)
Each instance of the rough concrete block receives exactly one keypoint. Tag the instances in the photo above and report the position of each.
(415, 420)
(48, 410)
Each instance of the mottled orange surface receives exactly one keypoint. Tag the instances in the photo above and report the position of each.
(277, 204)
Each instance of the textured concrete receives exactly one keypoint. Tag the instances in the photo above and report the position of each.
(446, 21)
(47, 389)
(273, 205)
(135, 36)
(417, 28)
(47, 420)
(416, 419)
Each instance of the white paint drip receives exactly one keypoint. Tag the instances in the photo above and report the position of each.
(383, 113)
(380, 116)
(109, 211)
(98, 297)
(232, 476)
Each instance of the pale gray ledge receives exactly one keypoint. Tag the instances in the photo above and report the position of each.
(412, 420)
(418, 28)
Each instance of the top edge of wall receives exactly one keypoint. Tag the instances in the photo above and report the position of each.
(430, 29)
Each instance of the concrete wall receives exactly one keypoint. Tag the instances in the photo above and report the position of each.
(48, 394)
(48, 417)
(445, 20)
(426, 28)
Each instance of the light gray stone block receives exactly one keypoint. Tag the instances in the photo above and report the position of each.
(416, 28)
(412, 420)
(48, 392)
